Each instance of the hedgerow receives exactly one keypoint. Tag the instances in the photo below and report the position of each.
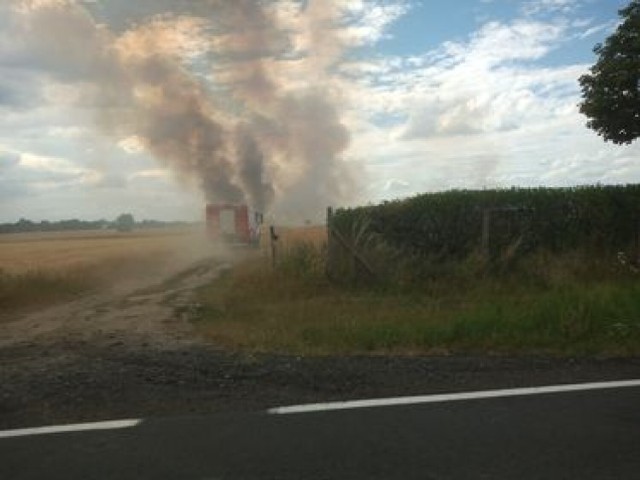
(450, 224)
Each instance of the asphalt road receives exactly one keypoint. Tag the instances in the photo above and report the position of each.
(578, 435)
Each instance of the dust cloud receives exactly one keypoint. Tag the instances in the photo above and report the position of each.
(234, 97)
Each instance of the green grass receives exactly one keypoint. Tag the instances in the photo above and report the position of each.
(548, 305)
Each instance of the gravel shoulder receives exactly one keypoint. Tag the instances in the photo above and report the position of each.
(133, 353)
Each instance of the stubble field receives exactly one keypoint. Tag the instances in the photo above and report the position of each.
(39, 269)
(59, 251)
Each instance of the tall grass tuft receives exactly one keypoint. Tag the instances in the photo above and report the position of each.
(303, 260)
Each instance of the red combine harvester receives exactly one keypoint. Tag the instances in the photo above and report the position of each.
(233, 224)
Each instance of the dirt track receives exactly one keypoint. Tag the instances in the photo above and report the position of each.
(132, 352)
(136, 311)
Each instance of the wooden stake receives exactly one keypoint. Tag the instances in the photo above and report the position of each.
(274, 239)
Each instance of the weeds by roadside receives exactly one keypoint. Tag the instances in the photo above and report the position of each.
(571, 304)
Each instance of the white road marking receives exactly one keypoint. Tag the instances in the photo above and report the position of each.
(78, 427)
(451, 397)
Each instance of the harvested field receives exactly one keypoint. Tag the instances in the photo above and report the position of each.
(56, 251)
(39, 269)
(102, 288)
(314, 235)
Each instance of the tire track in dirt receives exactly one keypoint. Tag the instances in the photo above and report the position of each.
(144, 310)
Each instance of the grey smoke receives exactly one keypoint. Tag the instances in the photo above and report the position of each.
(229, 119)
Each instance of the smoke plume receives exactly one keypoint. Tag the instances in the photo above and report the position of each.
(235, 97)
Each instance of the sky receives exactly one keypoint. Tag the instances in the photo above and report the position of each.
(408, 97)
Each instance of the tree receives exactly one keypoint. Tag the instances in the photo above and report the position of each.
(124, 222)
(611, 91)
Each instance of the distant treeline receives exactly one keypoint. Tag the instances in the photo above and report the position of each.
(24, 225)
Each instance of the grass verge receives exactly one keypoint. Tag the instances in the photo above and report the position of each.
(555, 306)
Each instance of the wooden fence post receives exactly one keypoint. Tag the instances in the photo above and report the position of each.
(273, 238)
(330, 243)
(637, 242)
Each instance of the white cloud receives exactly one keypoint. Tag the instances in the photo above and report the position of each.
(490, 83)
(482, 113)
(396, 186)
(534, 7)
(602, 27)
(50, 173)
(153, 173)
(368, 20)
(132, 144)
(49, 164)
(8, 159)
(67, 131)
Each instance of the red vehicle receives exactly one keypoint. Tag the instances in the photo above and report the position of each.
(233, 223)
